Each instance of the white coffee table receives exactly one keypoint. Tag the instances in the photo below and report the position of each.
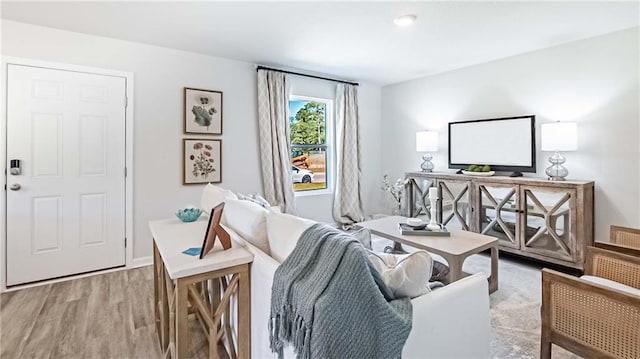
(454, 249)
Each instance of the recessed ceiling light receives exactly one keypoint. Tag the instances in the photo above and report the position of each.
(405, 20)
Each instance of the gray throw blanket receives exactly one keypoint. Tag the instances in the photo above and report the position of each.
(328, 301)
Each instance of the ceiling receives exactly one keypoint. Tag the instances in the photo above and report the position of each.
(350, 40)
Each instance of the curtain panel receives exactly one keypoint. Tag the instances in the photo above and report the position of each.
(347, 201)
(273, 115)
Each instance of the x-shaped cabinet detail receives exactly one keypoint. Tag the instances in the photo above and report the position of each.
(454, 203)
(547, 222)
(418, 197)
(499, 213)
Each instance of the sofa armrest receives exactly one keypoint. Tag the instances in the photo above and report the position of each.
(446, 317)
(263, 269)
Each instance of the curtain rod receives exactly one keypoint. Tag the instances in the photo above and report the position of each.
(306, 75)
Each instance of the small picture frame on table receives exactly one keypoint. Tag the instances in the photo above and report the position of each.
(215, 230)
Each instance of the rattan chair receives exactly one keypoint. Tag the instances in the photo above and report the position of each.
(589, 319)
(629, 237)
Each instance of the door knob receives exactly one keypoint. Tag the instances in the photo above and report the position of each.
(15, 187)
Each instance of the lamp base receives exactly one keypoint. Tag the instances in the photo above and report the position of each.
(427, 165)
(556, 172)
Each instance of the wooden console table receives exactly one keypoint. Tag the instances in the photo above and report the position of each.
(547, 220)
(183, 282)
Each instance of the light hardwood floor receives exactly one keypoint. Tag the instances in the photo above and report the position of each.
(103, 316)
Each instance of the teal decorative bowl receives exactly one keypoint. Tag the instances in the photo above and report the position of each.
(188, 214)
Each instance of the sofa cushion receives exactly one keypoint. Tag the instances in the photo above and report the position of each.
(283, 231)
(406, 275)
(213, 196)
(611, 284)
(249, 220)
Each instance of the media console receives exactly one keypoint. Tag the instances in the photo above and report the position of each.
(551, 221)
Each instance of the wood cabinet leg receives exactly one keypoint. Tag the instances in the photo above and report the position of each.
(156, 282)
(493, 278)
(244, 314)
(163, 306)
(182, 327)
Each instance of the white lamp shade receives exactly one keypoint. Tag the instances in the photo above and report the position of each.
(427, 141)
(559, 136)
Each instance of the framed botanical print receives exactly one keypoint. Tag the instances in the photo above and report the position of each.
(202, 161)
(202, 111)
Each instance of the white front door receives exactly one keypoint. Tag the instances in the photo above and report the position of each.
(66, 209)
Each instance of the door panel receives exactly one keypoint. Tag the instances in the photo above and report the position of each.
(46, 141)
(499, 213)
(46, 223)
(68, 216)
(93, 145)
(547, 226)
(455, 210)
(93, 219)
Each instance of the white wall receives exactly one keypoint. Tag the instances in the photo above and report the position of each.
(160, 75)
(593, 82)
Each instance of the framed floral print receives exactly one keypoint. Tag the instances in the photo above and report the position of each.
(202, 111)
(202, 161)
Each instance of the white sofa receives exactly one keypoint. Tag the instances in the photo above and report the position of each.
(450, 322)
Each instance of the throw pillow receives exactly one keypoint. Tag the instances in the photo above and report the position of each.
(248, 220)
(242, 197)
(275, 209)
(440, 271)
(283, 232)
(406, 275)
(213, 196)
(255, 198)
(258, 199)
(363, 236)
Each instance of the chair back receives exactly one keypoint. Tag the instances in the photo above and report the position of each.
(615, 266)
(625, 236)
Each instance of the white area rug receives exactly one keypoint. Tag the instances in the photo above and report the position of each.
(515, 306)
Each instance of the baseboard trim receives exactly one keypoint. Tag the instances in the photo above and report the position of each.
(141, 262)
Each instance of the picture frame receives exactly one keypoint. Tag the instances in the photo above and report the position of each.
(201, 161)
(215, 230)
(202, 111)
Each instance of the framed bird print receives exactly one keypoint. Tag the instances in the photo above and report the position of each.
(202, 111)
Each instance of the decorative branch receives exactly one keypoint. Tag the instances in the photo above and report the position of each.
(395, 189)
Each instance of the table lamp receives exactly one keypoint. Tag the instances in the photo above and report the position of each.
(427, 141)
(558, 136)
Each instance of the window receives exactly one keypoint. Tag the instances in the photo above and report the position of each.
(310, 131)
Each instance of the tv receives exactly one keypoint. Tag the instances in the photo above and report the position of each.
(505, 144)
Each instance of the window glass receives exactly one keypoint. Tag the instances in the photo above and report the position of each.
(309, 145)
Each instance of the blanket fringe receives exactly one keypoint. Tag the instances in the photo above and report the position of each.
(289, 327)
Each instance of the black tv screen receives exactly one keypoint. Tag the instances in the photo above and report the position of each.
(505, 144)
